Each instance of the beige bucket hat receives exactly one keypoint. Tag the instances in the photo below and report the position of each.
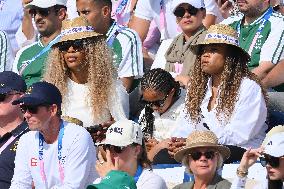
(221, 34)
(199, 139)
(77, 28)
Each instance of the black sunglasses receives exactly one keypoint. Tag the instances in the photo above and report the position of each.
(116, 149)
(180, 11)
(4, 96)
(271, 160)
(197, 155)
(33, 109)
(157, 103)
(41, 11)
(76, 44)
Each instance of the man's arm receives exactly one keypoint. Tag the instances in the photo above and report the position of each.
(141, 26)
(263, 69)
(275, 77)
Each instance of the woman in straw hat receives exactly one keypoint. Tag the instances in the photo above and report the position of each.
(271, 156)
(80, 65)
(223, 95)
(203, 156)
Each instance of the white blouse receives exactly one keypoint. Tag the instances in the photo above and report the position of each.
(246, 127)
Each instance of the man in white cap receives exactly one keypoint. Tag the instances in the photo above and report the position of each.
(48, 17)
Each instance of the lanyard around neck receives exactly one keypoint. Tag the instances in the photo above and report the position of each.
(59, 154)
(121, 7)
(265, 18)
(44, 50)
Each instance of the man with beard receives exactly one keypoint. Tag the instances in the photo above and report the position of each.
(261, 34)
(48, 17)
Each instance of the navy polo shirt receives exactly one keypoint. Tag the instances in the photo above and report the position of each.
(7, 157)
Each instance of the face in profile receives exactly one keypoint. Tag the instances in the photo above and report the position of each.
(275, 168)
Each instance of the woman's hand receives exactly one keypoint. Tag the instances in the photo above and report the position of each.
(103, 167)
(156, 147)
(101, 134)
(175, 145)
(249, 158)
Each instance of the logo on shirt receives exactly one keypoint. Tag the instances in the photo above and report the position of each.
(14, 146)
(33, 162)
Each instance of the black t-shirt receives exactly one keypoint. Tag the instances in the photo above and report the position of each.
(7, 157)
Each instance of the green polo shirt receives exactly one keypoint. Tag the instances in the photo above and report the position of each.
(35, 70)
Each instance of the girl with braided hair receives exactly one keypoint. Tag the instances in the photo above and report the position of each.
(223, 95)
(163, 101)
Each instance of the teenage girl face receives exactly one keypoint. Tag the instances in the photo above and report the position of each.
(159, 101)
(213, 59)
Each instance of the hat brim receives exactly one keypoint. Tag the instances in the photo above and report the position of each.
(40, 5)
(76, 36)
(28, 100)
(223, 150)
(195, 48)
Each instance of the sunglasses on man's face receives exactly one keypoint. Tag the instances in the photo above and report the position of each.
(274, 162)
(33, 109)
(41, 11)
(197, 155)
(76, 44)
(180, 11)
(157, 103)
(116, 149)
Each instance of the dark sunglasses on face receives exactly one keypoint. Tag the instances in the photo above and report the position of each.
(197, 155)
(180, 11)
(116, 149)
(31, 108)
(41, 11)
(157, 103)
(76, 44)
(4, 96)
(272, 161)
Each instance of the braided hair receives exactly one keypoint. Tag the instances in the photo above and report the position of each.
(161, 81)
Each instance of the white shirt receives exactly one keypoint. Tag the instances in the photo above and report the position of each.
(246, 128)
(165, 124)
(6, 53)
(78, 160)
(240, 183)
(150, 180)
(77, 104)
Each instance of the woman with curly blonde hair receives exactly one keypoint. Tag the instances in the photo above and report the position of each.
(223, 95)
(80, 65)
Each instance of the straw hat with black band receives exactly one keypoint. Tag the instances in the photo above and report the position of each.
(198, 139)
(77, 28)
(222, 34)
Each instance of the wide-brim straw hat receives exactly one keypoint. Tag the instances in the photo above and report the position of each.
(199, 139)
(77, 28)
(221, 34)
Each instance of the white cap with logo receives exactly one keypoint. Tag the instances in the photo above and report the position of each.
(123, 133)
(196, 3)
(45, 3)
(274, 144)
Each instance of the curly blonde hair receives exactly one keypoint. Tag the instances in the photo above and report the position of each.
(101, 73)
(235, 70)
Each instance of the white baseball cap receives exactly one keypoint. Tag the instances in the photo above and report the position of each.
(45, 3)
(123, 133)
(274, 145)
(196, 3)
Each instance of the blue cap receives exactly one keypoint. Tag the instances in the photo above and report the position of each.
(40, 93)
(10, 81)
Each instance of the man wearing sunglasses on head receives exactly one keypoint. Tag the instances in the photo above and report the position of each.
(271, 156)
(55, 153)
(12, 124)
(48, 16)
